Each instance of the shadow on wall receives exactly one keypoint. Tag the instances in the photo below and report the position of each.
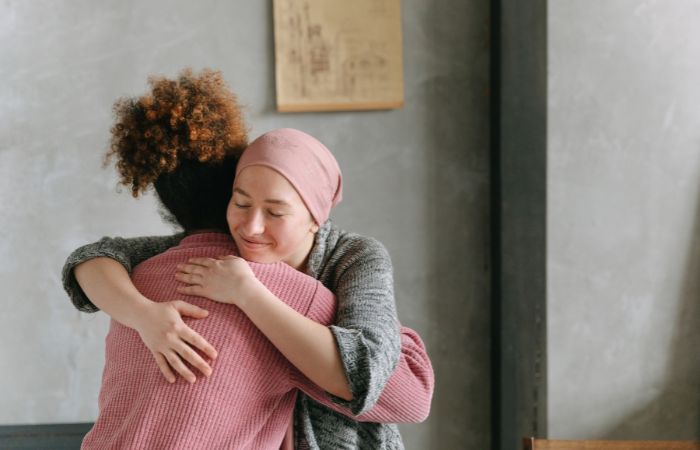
(674, 413)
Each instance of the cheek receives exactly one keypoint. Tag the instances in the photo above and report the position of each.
(280, 232)
(232, 217)
(297, 231)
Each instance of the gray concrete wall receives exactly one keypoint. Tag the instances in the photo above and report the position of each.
(624, 219)
(416, 178)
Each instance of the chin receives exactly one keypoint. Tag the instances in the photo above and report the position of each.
(253, 258)
(256, 257)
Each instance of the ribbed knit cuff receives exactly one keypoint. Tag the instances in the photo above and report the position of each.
(355, 356)
(79, 256)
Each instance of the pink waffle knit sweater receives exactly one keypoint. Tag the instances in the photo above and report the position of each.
(247, 402)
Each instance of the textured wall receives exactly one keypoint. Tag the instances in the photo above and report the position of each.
(416, 178)
(624, 219)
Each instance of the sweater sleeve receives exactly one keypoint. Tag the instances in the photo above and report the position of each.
(128, 252)
(305, 294)
(407, 395)
(366, 328)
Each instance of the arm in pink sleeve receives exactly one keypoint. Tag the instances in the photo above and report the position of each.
(409, 392)
(407, 396)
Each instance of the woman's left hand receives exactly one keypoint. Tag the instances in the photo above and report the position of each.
(228, 279)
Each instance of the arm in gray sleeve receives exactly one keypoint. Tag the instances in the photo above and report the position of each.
(128, 252)
(366, 328)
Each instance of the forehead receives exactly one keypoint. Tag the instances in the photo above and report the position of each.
(266, 184)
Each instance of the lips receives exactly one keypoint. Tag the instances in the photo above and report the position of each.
(252, 244)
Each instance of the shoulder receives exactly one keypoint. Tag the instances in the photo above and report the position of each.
(182, 247)
(356, 247)
(339, 253)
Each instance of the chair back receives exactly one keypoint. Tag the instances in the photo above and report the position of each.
(547, 444)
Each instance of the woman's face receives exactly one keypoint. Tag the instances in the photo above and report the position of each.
(268, 219)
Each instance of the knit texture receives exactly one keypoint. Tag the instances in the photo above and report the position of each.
(358, 270)
(139, 249)
(248, 400)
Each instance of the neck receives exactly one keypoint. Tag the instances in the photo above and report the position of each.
(302, 257)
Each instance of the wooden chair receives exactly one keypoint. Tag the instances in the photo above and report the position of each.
(546, 444)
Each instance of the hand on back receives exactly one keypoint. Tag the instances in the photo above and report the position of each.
(171, 341)
(227, 279)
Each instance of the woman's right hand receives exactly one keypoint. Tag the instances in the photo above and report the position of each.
(171, 341)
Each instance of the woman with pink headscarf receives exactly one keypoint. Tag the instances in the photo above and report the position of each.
(285, 186)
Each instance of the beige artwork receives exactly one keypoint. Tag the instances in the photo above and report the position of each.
(338, 55)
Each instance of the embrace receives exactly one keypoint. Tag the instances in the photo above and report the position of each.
(262, 325)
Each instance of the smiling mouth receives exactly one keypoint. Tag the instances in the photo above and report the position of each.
(250, 243)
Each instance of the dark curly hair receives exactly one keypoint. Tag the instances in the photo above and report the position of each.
(184, 138)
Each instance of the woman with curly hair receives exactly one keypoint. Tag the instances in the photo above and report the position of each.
(268, 330)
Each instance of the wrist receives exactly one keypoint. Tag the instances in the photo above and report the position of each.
(251, 289)
(138, 311)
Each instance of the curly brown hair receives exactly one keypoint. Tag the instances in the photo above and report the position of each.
(192, 118)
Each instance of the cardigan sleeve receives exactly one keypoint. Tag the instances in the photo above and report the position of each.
(129, 252)
(366, 329)
(408, 393)
(305, 294)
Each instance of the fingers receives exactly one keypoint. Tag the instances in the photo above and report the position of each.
(188, 354)
(192, 268)
(190, 310)
(177, 350)
(195, 340)
(180, 367)
(188, 278)
(164, 367)
(206, 262)
(191, 290)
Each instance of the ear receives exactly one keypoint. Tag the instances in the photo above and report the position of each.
(314, 227)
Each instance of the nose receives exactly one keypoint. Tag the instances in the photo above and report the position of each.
(254, 223)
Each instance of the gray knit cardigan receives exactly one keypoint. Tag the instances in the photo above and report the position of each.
(359, 271)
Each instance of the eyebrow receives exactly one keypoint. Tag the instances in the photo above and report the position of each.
(268, 200)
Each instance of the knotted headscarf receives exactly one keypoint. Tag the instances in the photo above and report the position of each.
(305, 162)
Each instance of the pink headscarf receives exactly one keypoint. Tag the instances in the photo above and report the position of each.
(305, 162)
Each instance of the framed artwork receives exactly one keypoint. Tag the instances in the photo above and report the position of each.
(335, 55)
